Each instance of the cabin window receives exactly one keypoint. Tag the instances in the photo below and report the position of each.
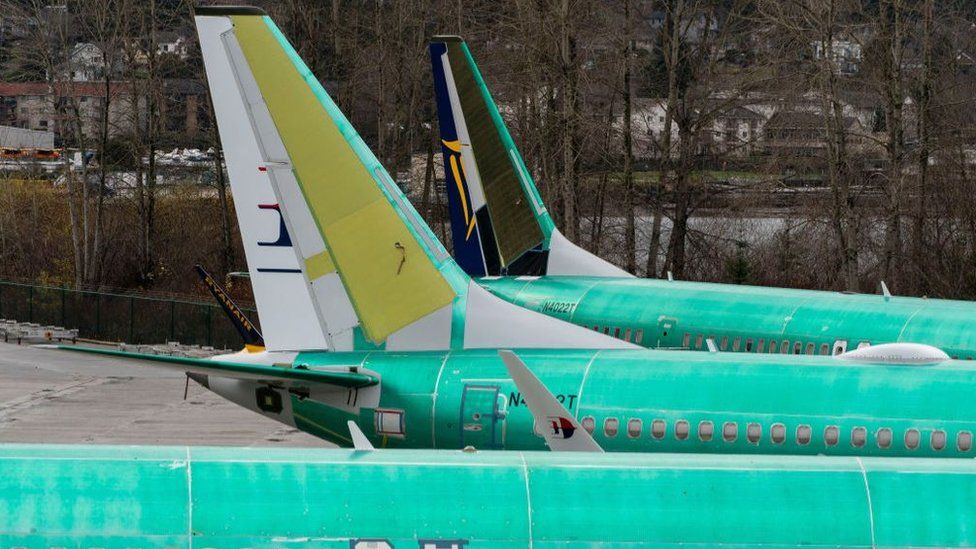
(658, 429)
(706, 430)
(760, 346)
(753, 433)
(596, 328)
(797, 348)
(725, 343)
(639, 336)
(859, 435)
(784, 348)
(831, 435)
(938, 440)
(588, 424)
(686, 341)
(681, 429)
(772, 346)
(606, 330)
(610, 427)
(911, 439)
(730, 431)
(634, 428)
(777, 433)
(627, 334)
(616, 333)
(810, 348)
(736, 343)
(749, 346)
(883, 438)
(964, 441)
(698, 341)
(803, 435)
(824, 349)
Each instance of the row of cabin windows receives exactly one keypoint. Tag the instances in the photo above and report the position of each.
(622, 333)
(750, 345)
(777, 433)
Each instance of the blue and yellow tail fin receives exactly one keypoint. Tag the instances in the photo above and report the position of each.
(499, 223)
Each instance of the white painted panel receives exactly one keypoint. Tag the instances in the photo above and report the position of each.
(337, 308)
(431, 332)
(473, 176)
(492, 323)
(566, 258)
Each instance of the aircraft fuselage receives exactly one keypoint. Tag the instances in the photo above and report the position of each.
(646, 401)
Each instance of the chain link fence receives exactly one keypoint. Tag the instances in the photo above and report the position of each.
(129, 318)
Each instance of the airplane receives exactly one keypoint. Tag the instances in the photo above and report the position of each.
(504, 237)
(406, 345)
(253, 340)
(176, 496)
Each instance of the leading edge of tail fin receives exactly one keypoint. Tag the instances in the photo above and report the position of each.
(377, 274)
(253, 341)
(499, 224)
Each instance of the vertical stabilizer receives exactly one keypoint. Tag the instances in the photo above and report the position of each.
(377, 274)
(252, 338)
(289, 320)
(499, 224)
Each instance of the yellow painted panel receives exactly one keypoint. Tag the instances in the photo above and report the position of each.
(319, 265)
(385, 271)
(359, 225)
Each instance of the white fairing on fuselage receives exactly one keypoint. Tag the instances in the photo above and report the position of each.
(566, 258)
(289, 320)
(491, 323)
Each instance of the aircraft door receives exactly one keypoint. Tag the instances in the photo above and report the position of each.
(479, 417)
(840, 346)
(667, 328)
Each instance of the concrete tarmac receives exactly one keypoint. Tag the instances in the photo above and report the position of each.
(51, 396)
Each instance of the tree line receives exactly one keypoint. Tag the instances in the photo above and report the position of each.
(823, 144)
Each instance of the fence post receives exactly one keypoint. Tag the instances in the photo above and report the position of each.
(98, 316)
(172, 320)
(30, 304)
(131, 317)
(209, 326)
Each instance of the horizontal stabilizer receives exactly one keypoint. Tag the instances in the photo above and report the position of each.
(559, 428)
(236, 370)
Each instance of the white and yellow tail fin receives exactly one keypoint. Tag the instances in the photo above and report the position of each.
(289, 320)
(377, 275)
(499, 224)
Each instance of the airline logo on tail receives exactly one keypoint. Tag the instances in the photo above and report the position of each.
(452, 153)
(562, 427)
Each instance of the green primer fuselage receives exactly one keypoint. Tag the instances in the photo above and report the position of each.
(662, 401)
(676, 314)
(112, 496)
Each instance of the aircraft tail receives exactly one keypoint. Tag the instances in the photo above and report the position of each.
(289, 320)
(377, 275)
(253, 340)
(499, 224)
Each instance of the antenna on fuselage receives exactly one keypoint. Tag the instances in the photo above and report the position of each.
(884, 291)
(359, 440)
